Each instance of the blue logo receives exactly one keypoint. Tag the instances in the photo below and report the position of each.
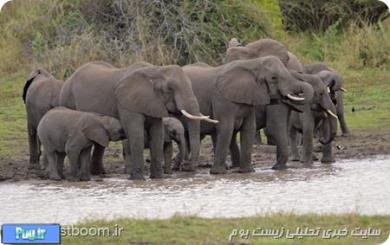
(31, 233)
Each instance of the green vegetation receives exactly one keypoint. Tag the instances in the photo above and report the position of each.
(191, 230)
(61, 35)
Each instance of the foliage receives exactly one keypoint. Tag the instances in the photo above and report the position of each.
(61, 35)
(318, 15)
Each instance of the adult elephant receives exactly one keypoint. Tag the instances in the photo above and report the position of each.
(260, 48)
(334, 81)
(230, 92)
(320, 114)
(40, 94)
(140, 96)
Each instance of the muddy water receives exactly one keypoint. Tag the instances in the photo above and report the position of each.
(351, 186)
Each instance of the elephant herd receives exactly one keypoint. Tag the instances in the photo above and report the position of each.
(260, 86)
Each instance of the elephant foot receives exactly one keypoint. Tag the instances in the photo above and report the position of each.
(136, 177)
(248, 169)
(218, 169)
(279, 166)
(73, 179)
(34, 166)
(54, 177)
(188, 167)
(95, 170)
(295, 158)
(327, 160)
(345, 134)
(85, 178)
(307, 164)
(168, 171)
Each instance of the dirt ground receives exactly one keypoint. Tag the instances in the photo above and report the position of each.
(357, 146)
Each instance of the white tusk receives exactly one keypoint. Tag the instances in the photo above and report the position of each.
(328, 90)
(331, 113)
(188, 115)
(343, 89)
(209, 120)
(291, 97)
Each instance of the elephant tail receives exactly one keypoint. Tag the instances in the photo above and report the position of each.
(25, 89)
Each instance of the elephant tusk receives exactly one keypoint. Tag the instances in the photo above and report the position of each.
(343, 89)
(188, 115)
(331, 113)
(291, 97)
(328, 90)
(209, 120)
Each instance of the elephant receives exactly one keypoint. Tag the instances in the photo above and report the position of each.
(173, 131)
(63, 131)
(256, 49)
(139, 96)
(40, 94)
(229, 94)
(334, 81)
(320, 114)
(294, 63)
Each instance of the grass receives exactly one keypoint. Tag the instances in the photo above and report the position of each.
(368, 94)
(193, 230)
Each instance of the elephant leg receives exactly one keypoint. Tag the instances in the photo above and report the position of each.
(97, 160)
(60, 163)
(126, 155)
(135, 136)
(234, 151)
(52, 169)
(85, 160)
(277, 120)
(293, 133)
(224, 137)
(168, 151)
(327, 153)
(75, 162)
(156, 132)
(258, 140)
(33, 145)
(307, 137)
(340, 114)
(246, 141)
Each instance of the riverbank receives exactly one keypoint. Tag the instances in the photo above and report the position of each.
(192, 230)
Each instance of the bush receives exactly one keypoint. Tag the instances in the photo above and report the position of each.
(319, 15)
(61, 34)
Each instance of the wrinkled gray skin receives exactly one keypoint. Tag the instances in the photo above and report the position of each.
(173, 132)
(72, 133)
(229, 94)
(314, 116)
(275, 116)
(40, 94)
(140, 96)
(256, 49)
(335, 82)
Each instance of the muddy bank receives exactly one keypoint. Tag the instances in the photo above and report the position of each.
(357, 146)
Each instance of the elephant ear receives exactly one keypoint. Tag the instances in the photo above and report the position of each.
(238, 53)
(141, 91)
(94, 130)
(241, 86)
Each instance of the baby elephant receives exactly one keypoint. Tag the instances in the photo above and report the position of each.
(63, 131)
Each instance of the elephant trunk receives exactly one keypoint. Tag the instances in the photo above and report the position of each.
(193, 126)
(182, 148)
(300, 92)
(331, 120)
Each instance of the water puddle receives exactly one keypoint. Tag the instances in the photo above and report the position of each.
(350, 186)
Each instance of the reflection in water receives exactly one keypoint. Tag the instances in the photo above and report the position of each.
(352, 186)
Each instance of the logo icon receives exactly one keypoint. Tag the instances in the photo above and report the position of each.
(2, 2)
(387, 242)
(387, 2)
